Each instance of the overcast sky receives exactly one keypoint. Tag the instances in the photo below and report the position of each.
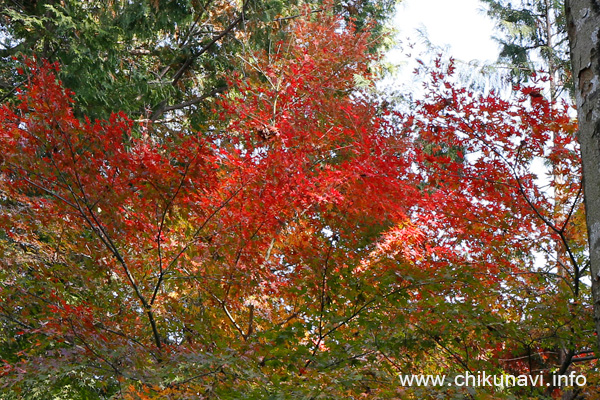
(461, 24)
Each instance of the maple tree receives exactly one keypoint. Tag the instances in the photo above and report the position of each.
(309, 242)
(509, 219)
(180, 236)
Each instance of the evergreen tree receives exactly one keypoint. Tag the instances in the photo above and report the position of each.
(533, 38)
(152, 58)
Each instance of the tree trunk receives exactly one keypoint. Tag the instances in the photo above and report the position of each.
(583, 25)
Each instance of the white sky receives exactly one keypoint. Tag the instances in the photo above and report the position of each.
(461, 24)
(460, 27)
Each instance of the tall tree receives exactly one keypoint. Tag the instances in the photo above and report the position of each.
(583, 18)
(533, 38)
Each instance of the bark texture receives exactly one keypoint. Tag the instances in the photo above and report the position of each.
(583, 25)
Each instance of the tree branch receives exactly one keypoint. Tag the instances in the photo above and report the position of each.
(161, 109)
(193, 58)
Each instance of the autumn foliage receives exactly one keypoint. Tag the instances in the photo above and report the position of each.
(309, 241)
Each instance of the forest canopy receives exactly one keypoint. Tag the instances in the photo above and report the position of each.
(214, 200)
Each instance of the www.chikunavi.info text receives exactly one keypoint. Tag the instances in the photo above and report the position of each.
(480, 379)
